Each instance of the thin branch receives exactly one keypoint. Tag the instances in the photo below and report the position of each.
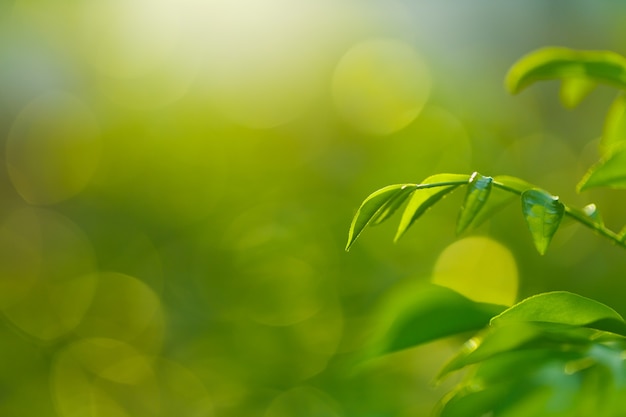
(581, 218)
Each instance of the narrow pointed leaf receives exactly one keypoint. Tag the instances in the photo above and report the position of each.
(609, 172)
(563, 63)
(498, 199)
(478, 191)
(371, 207)
(558, 307)
(574, 90)
(390, 207)
(614, 132)
(543, 213)
(430, 191)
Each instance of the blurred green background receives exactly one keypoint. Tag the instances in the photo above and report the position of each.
(178, 178)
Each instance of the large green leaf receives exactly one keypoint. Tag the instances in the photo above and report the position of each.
(609, 172)
(478, 191)
(430, 191)
(431, 313)
(543, 213)
(560, 307)
(563, 63)
(372, 206)
(614, 132)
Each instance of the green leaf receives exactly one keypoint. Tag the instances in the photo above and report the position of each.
(498, 199)
(512, 184)
(429, 314)
(614, 132)
(390, 207)
(473, 403)
(489, 343)
(609, 172)
(478, 191)
(372, 206)
(558, 307)
(519, 335)
(563, 63)
(522, 383)
(430, 191)
(503, 191)
(511, 398)
(574, 90)
(543, 213)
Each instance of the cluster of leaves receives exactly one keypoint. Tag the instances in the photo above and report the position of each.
(558, 353)
(543, 212)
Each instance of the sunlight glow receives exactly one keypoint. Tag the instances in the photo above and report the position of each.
(479, 268)
(53, 148)
(380, 86)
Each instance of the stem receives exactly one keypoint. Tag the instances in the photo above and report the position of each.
(581, 218)
(598, 227)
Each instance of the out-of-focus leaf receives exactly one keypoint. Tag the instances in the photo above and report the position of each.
(587, 379)
(490, 342)
(609, 172)
(513, 184)
(390, 207)
(517, 335)
(614, 132)
(478, 191)
(558, 307)
(516, 383)
(473, 403)
(430, 191)
(433, 313)
(507, 399)
(563, 63)
(371, 207)
(543, 213)
(574, 90)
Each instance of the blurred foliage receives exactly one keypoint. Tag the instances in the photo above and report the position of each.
(573, 370)
(178, 177)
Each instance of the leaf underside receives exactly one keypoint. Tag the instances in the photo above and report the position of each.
(609, 172)
(586, 67)
(478, 191)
